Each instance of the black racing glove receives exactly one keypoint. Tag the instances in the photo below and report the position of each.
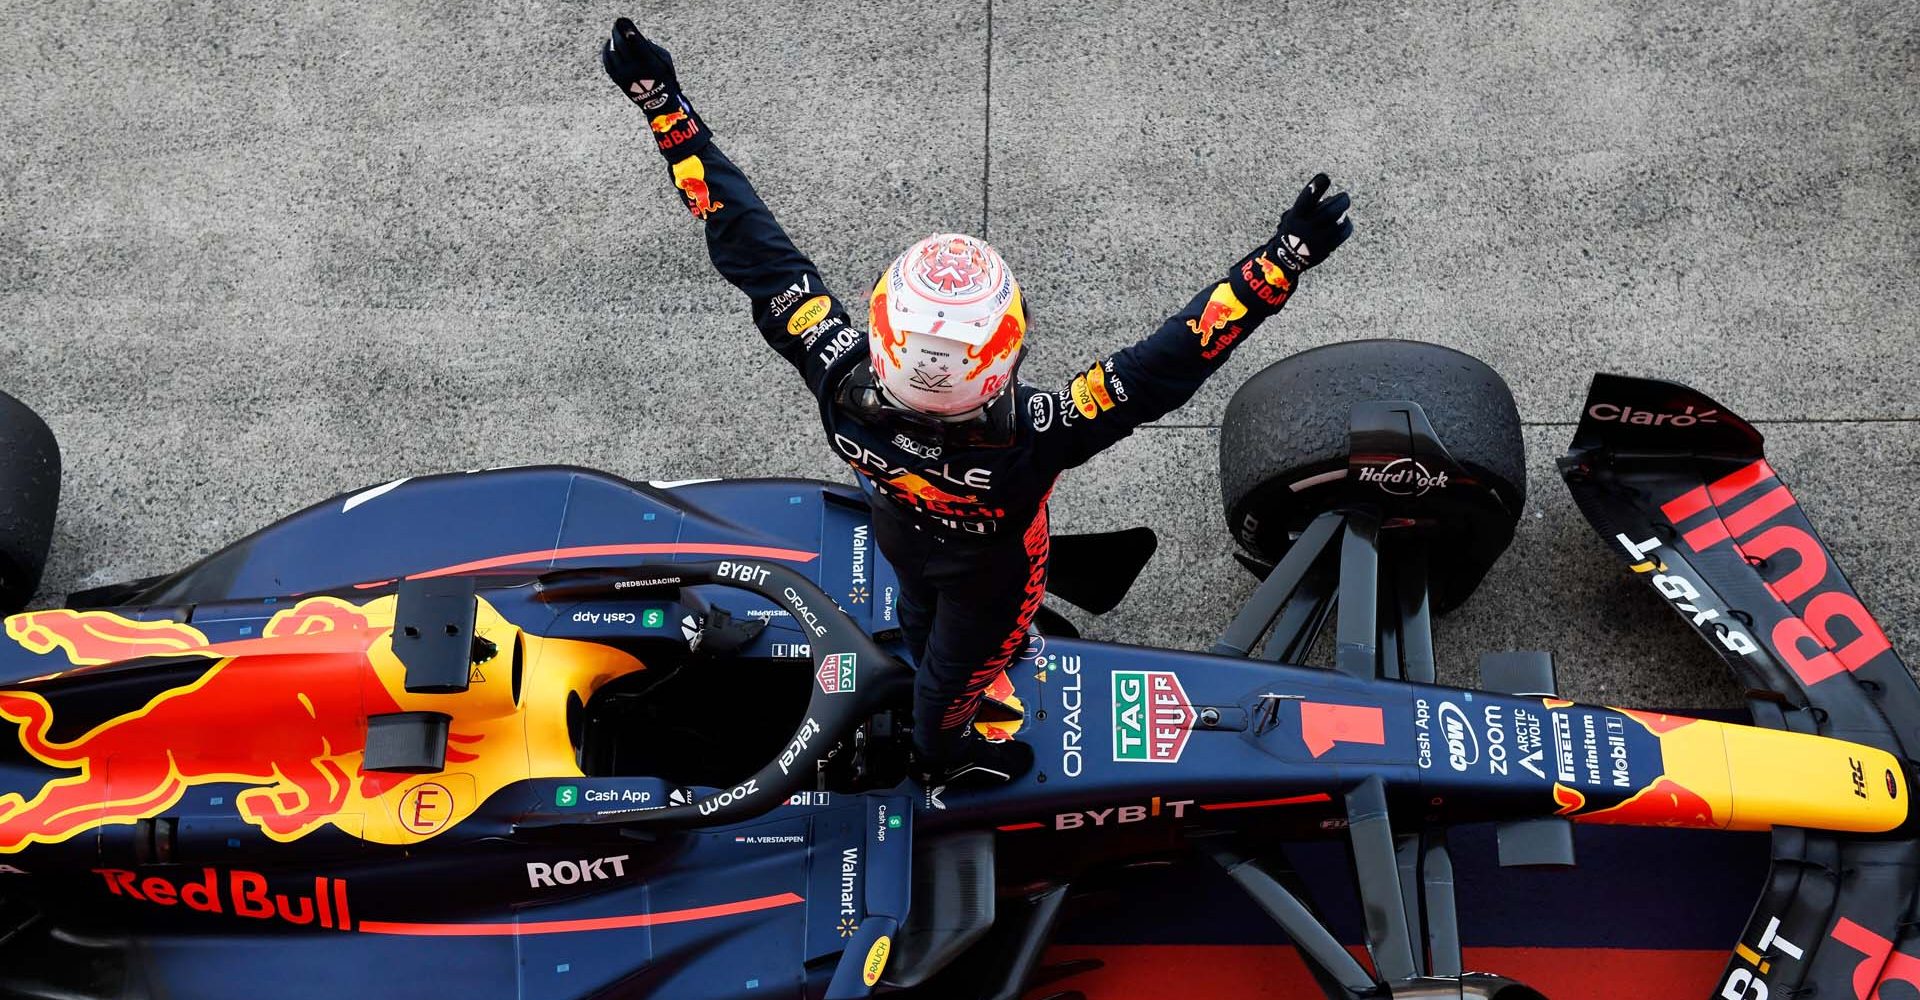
(1313, 228)
(644, 72)
(1309, 231)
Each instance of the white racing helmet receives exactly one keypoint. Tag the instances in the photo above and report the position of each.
(945, 325)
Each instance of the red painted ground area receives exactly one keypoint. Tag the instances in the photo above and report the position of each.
(1275, 972)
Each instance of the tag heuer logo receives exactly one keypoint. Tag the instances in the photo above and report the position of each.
(836, 673)
(1152, 718)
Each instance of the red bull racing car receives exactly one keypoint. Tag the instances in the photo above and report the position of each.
(549, 733)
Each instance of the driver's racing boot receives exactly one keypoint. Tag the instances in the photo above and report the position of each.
(974, 760)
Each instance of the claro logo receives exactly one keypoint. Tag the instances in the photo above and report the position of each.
(1614, 413)
(1463, 747)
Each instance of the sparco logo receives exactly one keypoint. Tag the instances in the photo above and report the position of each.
(912, 447)
(1403, 477)
(1614, 413)
(1463, 747)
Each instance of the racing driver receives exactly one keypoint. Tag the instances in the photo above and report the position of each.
(956, 455)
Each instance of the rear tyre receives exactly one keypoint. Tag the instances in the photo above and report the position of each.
(1284, 444)
(29, 494)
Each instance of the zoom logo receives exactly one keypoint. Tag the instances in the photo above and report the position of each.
(1463, 747)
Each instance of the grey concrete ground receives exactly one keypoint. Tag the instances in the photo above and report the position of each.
(252, 255)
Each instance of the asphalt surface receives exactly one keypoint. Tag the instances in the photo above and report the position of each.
(251, 257)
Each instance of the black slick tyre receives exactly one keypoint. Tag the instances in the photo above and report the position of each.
(29, 495)
(1284, 444)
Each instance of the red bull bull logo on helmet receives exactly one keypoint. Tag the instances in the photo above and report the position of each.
(1008, 334)
(884, 336)
(285, 714)
(690, 176)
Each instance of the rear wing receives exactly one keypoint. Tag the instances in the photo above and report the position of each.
(1679, 487)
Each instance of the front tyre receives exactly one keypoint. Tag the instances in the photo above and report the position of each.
(29, 495)
(1284, 445)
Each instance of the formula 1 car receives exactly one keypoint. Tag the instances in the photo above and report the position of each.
(545, 732)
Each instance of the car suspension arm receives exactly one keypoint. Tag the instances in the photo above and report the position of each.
(1315, 942)
(1277, 590)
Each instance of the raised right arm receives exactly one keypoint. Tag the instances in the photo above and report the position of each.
(792, 307)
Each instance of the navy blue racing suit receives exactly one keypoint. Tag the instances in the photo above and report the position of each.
(965, 527)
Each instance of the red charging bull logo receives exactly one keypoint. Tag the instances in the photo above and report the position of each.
(1269, 284)
(298, 707)
(673, 128)
(1222, 307)
(884, 335)
(1007, 337)
(690, 176)
(1663, 803)
(1273, 274)
(918, 486)
(285, 713)
(1667, 801)
(90, 638)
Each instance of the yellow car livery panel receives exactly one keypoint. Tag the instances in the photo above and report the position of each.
(286, 714)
